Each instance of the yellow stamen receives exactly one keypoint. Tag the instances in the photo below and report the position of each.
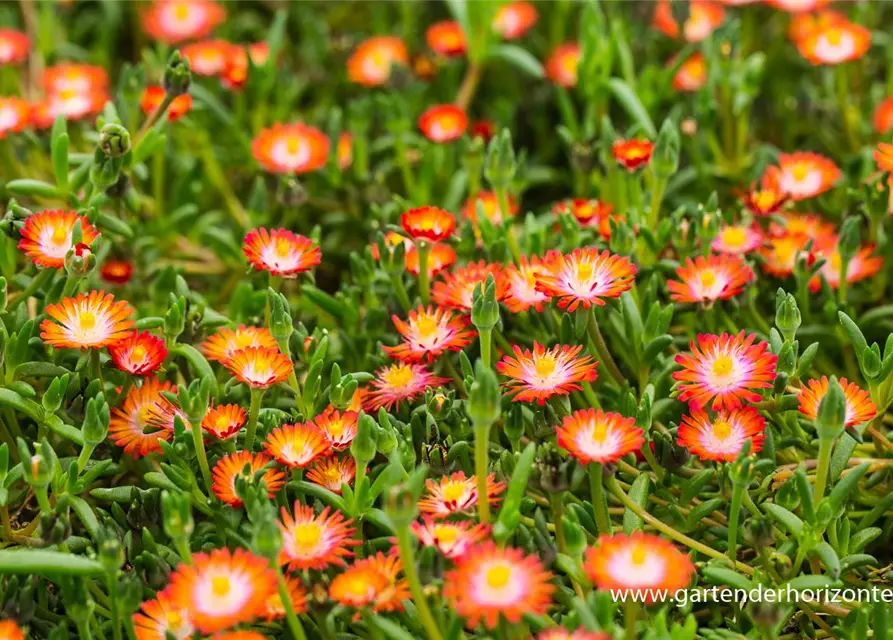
(584, 271)
(307, 535)
(399, 376)
(453, 491)
(708, 278)
(734, 236)
(722, 366)
(60, 235)
(220, 585)
(498, 576)
(283, 247)
(426, 326)
(446, 533)
(722, 429)
(87, 320)
(640, 554)
(545, 366)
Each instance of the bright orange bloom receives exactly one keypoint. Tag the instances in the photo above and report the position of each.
(585, 277)
(140, 354)
(274, 609)
(395, 590)
(443, 123)
(491, 207)
(398, 382)
(835, 43)
(15, 114)
(798, 6)
(632, 154)
(456, 494)
(358, 587)
(491, 581)
(222, 346)
(446, 38)
(235, 71)
(91, 320)
(703, 18)
(280, 252)
(224, 421)
(808, 224)
(560, 633)
(153, 96)
(14, 46)
(116, 271)
(372, 61)
(883, 156)
(768, 198)
(312, 541)
(291, 148)
(332, 472)
(174, 21)
(705, 280)
(522, 292)
(428, 223)
(540, 374)
(804, 25)
(592, 435)
(75, 79)
(160, 617)
(428, 333)
(440, 256)
(344, 150)
(232, 466)
(222, 589)
(737, 239)
(722, 437)
(514, 19)
(639, 563)
(456, 290)
(296, 445)
(692, 74)
(71, 105)
(563, 64)
(590, 213)
(780, 253)
(883, 116)
(250, 635)
(208, 57)
(260, 367)
(725, 369)
(452, 539)
(805, 175)
(859, 407)
(9, 630)
(861, 266)
(128, 424)
(46, 236)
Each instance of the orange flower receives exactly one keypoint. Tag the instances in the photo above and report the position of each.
(9, 630)
(560, 633)
(91, 320)
(798, 6)
(235, 70)
(72, 106)
(722, 437)
(563, 64)
(456, 494)
(296, 445)
(725, 369)
(780, 253)
(522, 292)
(358, 586)
(280, 252)
(452, 539)
(160, 617)
(883, 156)
(737, 239)
(808, 224)
(705, 280)
(46, 236)
(174, 21)
(859, 407)
(249, 635)
(883, 116)
(834, 43)
(861, 266)
(332, 472)
(398, 382)
(344, 150)
(223, 345)
(632, 154)
(692, 74)
(805, 24)
(274, 609)
(456, 290)
(338, 429)
(291, 148)
(592, 435)
(208, 57)
(127, 427)
(446, 38)
(491, 581)
(372, 61)
(428, 333)
(440, 256)
(116, 271)
(443, 123)
(639, 563)
(390, 597)
(224, 421)
(312, 541)
(14, 46)
(589, 213)
(222, 589)
(75, 79)
(140, 354)
(153, 97)
(540, 374)
(15, 115)
(805, 175)
(260, 367)
(428, 223)
(703, 18)
(232, 466)
(514, 19)
(585, 277)
(491, 207)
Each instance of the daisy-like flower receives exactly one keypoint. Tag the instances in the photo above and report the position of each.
(726, 369)
(803, 25)
(456, 494)
(703, 18)
(70, 104)
(224, 421)
(563, 64)
(75, 79)
(14, 115)
(296, 445)
(446, 38)
(358, 586)
(798, 6)
(692, 74)
(882, 119)
(592, 435)
(291, 148)
(589, 213)
(585, 277)
(722, 437)
(235, 71)
(428, 223)
(456, 290)
(491, 581)
(311, 541)
(91, 320)
(514, 19)
(338, 429)
(560, 633)
(639, 563)
(859, 407)
(160, 617)
(222, 589)
(139, 354)
(737, 239)
(705, 280)
(808, 224)
(452, 539)
(769, 197)
(883, 156)
(280, 252)
(393, 590)
(14, 46)
(208, 57)
(9, 630)
(128, 424)
(443, 123)
(835, 43)
(521, 279)
(46, 236)
(274, 609)
(861, 266)
(632, 154)
(428, 333)
(806, 175)
(441, 256)
(224, 344)
(491, 207)
(153, 96)
(541, 373)
(116, 271)
(332, 472)
(372, 61)
(780, 253)
(174, 21)
(232, 466)
(398, 382)
(260, 367)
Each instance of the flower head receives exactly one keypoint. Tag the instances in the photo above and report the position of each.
(153, 96)
(705, 280)
(521, 279)
(428, 333)
(332, 472)
(834, 42)
(722, 437)
(116, 271)
(883, 156)
(804, 224)
(128, 424)
(440, 256)
(398, 382)
(590, 213)
(311, 541)
(428, 223)
(46, 236)
(224, 344)
(703, 18)
(514, 19)
(541, 373)
(140, 354)
(208, 57)
(291, 148)
(14, 46)
(585, 277)
(232, 466)
(452, 539)
(280, 252)
(861, 266)
(563, 64)
(726, 369)
(492, 209)
(224, 421)
(691, 74)
(91, 320)
(68, 79)
(296, 445)
(174, 21)
(491, 581)
(456, 494)
(443, 123)
(373, 60)
(769, 197)
(456, 290)
(14, 115)
(446, 38)
(737, 239)
(337, 428)
(260, 367)
(560, 633)
(805, 175)
(592, 435)
(780, 253)
(883, 116)
(275, 609)
(160, 617)
(859, 407)
(632, 154)
(798, 6)
(222, 589)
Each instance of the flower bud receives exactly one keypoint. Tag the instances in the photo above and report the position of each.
(114, 140)
(485, 309)
(500, 166)
(850, 238)
(96, 422)
(758, 532)
(280, 317)
(110, 552)
(831, 415)
(80, 260)
(176, 512)
(665, 157)
(55, 394)
(484, 398)
(787, 315)
(363, 448)
(267, 537)
(177, 75)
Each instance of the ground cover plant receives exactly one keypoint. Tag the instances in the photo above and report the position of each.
(396, 320)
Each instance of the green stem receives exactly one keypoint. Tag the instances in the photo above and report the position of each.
(424, 283)
(407, 558)
(826, 446)
(195, 423)
(403, 163)
(113, 605)
(253, 411)
(400, 291)
(846, 112)
(630, 616)
(37, 283)
(294, 624)
(481, 469)
(599, 504)
(601, 349)
(734, 514)
(84, 630)
(486, 339)
(156, 116)
(96, 367)
(84, 457)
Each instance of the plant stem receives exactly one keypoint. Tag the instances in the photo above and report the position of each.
(113, 605)
(481, 460)
(294, 624)
(734, 514)
(424, 284)
(826, 446)
(253, 411)
(195, 424)
(602, 350)
(599, 505)
(407, 558)
(486, 338)
(630, 616)
(469, 85)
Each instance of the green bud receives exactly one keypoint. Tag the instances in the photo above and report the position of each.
(364, 447)
(665, 157)
(267, 537)
(105, 170)
(574, 537)
(485, 308)
(871, 361)
(484, 398)
(80, 261)
(111, 553)
(114, 140)
(177, 75)
(500, 165)
(787, 358)
(176, 513)
(832, 412)
(758, 532)
(787, 315)
(55, 394)
(96, 422)
(280, 317)
(514, 426)
(175, 320)
(850, 238)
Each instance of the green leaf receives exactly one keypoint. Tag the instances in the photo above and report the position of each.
(86, 516)
(784, 517)
(317, 491)
(198, 363)
(828, 557)
(718, 575)
(27, 187)
(40, 370)
(59, 152)
(510, 511)
(391, 629)
(845, 486)
(519, 58)
(42, 562)
(656, 347)
(846, 444)
(638, 493)
(855, 334)
(632, 105)
(693, 487)
(117, 226)
(807, 582)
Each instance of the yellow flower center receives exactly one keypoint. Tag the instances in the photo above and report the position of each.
(221, 422)
(835, 261)
(765, 199)
(332, 474)
(174, 619)
(335, 427)
(800, 172)
(144, 413)
(446, 533)
(220, 585)
(584, 271)
(735, 236)
(399, 376)
(722, 366)
(834, 36)
(708, 278)
(181, 11)
(60, 235)
(307, 535)
(599, 432)
(453, 491)
(498, 576)
(545, 366)
(88, 320)
(283, 247)
(639, 554)
(139, 353)
(722, 429)
(426, 326)
(292, 145)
